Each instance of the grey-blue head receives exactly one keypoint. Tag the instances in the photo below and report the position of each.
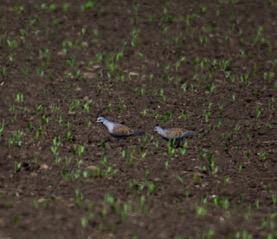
(101, 119)
(158, 128)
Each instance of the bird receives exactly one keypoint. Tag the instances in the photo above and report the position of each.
(118, 130)
(173, 134)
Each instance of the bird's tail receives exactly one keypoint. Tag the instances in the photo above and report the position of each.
(138, 133)
(189, 134)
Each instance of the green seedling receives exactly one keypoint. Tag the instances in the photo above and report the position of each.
(208, 157)
(87, 106)
(262, 156)
(201, 211)
(65, 7)
(144, 112)
(243, 235)
(18, 166)
(134, 37)
(167, 163)
(203, 40)
(78, 197)
(79, 150)
(269, 75)
(143, 154)
(184, 149)
(71, 62)
(269, 222)
(19, 98)
(120, 208)
(84, 222)
(259, 112)
(245, 79)
(257, 204)
(18, 9)
(274, 198)
(221, 202)
(184, 116)
(179, 63)
(2, 127)
(143, 186)
(12, 43)
(166, 17)
(140, 91)
(170, 149)
(68, 136)
(55, 108)
(162, 95)
(109, 170)
(166, 117)
(16, 138)
(86, 6)
(3, 71)
(39, 109)
(40, 72)
(45, 55)
(74, 105)
(54, 148)
(208, 113)
(259, 38)
(121, 106)
(44, 120)
(38, 132)
(208, 234)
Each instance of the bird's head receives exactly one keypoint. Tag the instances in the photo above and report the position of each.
(157, 128)
(100, 119)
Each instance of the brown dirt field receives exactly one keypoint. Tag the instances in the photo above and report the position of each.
(207, 66)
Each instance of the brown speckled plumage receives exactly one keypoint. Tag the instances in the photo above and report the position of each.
(118, 130)
(173, 133)
(121, 130)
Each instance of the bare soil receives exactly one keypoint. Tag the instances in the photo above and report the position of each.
(208, 67)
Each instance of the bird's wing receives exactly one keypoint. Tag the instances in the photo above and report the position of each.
(122, 130)
(174, 133)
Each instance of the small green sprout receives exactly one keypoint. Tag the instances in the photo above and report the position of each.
(262, 156)
(87, 5)
(201, 211)
(162, 95)
(65, 7)
(74, 105)
(78, 197)
(245, 78)
(2, 127)
(54, 148)
(84, 221)
(79, 150)
(170, 149)
(18, 166)
(19, 98)
(258, 112)
(12, 43)
(16, 138)
(68, 136)
(86, 106)
(221, 202)
(243, 235)
(134, 37)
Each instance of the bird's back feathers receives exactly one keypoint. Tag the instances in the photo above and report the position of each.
(118, 130)
(174, 133)
(121, 130)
